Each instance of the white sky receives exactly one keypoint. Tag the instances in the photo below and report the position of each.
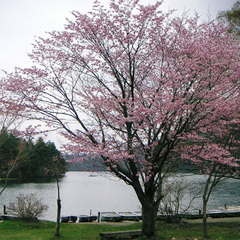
(21, 20)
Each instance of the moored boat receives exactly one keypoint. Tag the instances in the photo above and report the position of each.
(110, 217)
(68, 219)
(138, 214)
(194, 214)
(9, 217)
(129, 216)
(224, 213)
(87, 218)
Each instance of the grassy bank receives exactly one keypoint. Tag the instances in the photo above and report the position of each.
(45, 230)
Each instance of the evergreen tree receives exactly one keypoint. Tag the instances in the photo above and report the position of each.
(41, 158)
(38, 158)
(9, 150)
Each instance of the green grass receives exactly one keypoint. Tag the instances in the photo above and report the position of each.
(9, 179)
(42, 230)
(182, 231)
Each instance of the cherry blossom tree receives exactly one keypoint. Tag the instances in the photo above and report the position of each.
(214, 154)
(10, 119)
(131, 84)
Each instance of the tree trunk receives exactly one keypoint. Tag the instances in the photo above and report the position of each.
(149, 219)
(57, 233)
(206, 195)
(205, 235)
(149, 208)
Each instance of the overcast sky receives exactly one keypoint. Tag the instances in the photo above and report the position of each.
(21, 20)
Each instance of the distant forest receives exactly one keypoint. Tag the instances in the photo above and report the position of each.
(92, 164)
(25, 159)
(84, 163)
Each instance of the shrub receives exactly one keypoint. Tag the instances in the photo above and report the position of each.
(28, 207)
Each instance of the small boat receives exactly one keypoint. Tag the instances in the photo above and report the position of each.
(68, 219)
(129, 216)
(231, 213)
(110, 217)
(138, 214)
(87, 218)
(92, 175)
(194, 214)
(222, 214)
(215, 213)
(9, 217)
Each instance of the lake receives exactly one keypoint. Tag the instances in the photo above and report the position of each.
(81, 193)
(85, 193)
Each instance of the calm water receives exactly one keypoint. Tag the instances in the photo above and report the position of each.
(82, 193)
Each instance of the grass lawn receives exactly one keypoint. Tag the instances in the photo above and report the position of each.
(43, 230)
(192, 231)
